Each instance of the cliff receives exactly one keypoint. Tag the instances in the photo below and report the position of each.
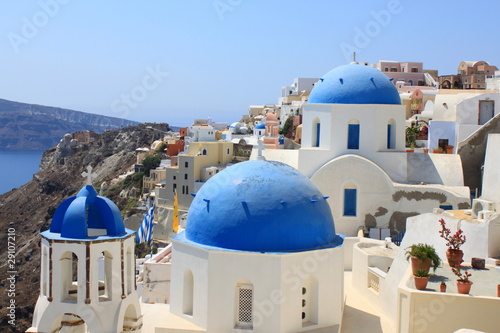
(30, 126)
(27, 210)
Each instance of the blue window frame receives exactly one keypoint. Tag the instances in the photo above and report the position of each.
(349, 202)
(318, 132)
(389, 128)
(353, 136)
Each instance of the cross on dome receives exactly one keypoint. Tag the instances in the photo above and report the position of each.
(89, 174)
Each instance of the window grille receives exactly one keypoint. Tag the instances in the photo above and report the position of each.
(245, 305)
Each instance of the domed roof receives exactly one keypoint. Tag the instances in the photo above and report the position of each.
(260, 206)
(87, 210)
(260, 126)
(354, 84)
(270, 116)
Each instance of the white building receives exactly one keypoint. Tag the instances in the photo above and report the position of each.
(87, 279)
(353, 149)
(259, 253)
(457, 116)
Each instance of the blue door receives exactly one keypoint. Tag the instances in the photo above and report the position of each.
(353, 136)
(350, 202)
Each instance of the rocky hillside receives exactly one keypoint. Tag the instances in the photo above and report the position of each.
(30, 126)
(26, 211)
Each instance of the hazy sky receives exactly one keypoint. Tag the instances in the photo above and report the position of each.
(173, 61)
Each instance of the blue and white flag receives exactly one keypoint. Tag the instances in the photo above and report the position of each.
(145, 232)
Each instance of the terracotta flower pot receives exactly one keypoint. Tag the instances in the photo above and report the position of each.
(498, 290)
(442, 287)
(420, 282)
(454, 257)
(464, 287)
(417, 264)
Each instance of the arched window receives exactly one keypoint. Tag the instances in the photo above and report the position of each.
(353, 134)
(105, 276)
(316, 133)
(309, 301)
(204, 151)
(244, 304)
(188, 293)
(350, 198)
(130, 271)
(391, 134)
(69, 277)
(45, 271)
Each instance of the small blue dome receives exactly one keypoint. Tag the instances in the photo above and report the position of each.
(354, 84)
(87, 210)
(260, 206)
(260, 126)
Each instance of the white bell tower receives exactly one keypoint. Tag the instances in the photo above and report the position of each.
(88, 269)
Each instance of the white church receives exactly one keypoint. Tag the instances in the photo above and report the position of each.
(353, 149)
(262, 249)
(87, 273)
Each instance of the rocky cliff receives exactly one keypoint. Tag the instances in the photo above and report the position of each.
(30, 126)
(27, 210)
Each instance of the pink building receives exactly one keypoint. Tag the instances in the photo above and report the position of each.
(412, 73)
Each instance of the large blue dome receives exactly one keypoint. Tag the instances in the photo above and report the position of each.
(260, 206)
(76, 215)
(354, 84)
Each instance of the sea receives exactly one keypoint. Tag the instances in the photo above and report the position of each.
(17, 167)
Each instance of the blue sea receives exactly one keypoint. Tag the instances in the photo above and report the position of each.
(17, 167)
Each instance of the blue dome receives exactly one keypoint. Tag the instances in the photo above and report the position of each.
(87, 210)
(260, 206)
(260, 126)
(354, 84)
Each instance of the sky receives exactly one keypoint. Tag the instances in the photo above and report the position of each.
(175, 61)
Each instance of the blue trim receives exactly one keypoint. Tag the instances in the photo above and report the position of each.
(318, 134)
(350, 202)
(337, 241)
(388, 136)
(353, 136)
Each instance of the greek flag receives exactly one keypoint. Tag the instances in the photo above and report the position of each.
(145, 232)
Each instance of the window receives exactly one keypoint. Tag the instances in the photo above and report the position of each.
(414, 70)
(185, 176)
(446, 206)
(45, 271)
(104, 276)
(228, 151)
(350, 200)
(316, 131)
(353, 135)
(69, 277)
(188, 293)
(186, 164)
(309, 301)
(130, 271)
(244, 318)
(391, 134)
(386, 69)
(204, 151)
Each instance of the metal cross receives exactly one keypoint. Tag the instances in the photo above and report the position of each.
(89, 175)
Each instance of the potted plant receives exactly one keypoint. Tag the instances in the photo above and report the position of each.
(412, 148)
(437, 150)
(454, 242)
(422, 257)
(421, 277)
(463, 282)
(449, 149)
